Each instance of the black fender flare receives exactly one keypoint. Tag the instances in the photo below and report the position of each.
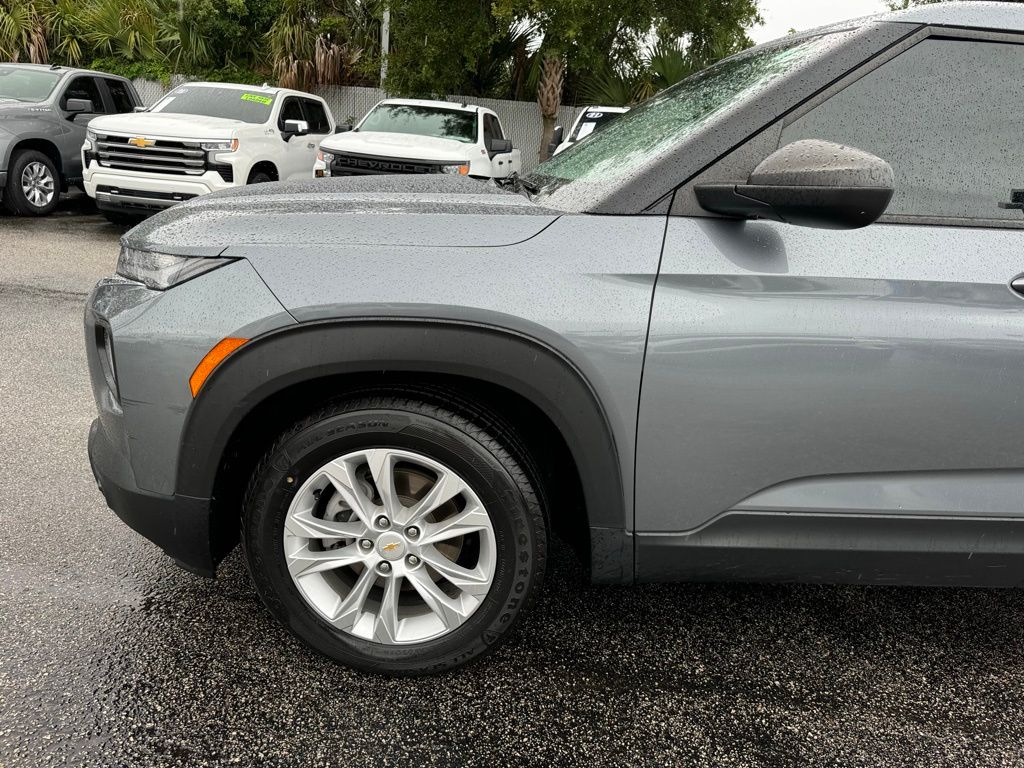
(307, 351)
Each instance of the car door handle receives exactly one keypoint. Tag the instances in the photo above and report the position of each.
(1018, 284)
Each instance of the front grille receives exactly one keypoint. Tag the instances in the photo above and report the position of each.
(176, 157)
(349, 165)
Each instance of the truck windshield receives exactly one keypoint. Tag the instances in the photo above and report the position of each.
(422, 121)
(23, 84)
(639, 137)
(229, 103)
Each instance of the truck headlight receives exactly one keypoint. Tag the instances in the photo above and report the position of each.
(461, 169)
(219, 146)
(90, 141)
(161, 271)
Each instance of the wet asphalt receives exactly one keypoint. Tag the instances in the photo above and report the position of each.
(112, 656)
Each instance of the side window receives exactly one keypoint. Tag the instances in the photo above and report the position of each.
(946, 115)
(121, 95)
(492, 128)
(316, 116)
(290, 110)
(83, 87)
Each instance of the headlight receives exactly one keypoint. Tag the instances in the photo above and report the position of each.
(461, 169)
(325, 157)
(161, 271)
(219, 146)
(90, 141)
(90, 135)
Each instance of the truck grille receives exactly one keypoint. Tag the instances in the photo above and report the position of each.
(177, 157)
(350, 165)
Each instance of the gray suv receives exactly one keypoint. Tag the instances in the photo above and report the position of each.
(766, 326)
(43, 114)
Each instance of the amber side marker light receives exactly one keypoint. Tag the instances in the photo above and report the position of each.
(213, 358)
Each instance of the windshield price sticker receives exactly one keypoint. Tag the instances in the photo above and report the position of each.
(264, 100)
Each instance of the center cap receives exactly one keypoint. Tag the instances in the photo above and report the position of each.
(391, 546)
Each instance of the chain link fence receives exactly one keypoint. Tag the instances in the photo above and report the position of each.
(521, 119)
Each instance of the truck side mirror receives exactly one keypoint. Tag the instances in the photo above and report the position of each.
(295, 128)
(809, 183)
(80, 106)
(499, 146)
(343, 128)
(557, 137)
(140, 109)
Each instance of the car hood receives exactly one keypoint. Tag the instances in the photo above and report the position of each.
(400, 145)
(172, 126)
(425, 211)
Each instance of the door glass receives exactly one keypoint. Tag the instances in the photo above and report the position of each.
(123, 101)
(290, 110)
(84, 88)
(316, 116)
(946, 115)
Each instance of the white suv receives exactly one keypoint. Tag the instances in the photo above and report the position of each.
(199, 138)
(418, 136)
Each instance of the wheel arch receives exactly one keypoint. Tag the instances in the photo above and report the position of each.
(515, 374)
(43, 145)
(264, 165)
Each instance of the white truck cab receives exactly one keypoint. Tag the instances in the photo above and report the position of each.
(420, 136)
(589, 120)
(200, 138)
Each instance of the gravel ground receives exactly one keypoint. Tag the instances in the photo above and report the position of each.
(110, 655)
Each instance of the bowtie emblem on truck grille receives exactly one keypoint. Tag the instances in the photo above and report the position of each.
(141, 141)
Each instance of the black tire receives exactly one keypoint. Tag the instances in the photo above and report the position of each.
(474, 445)
(14, 196)
(260, 177)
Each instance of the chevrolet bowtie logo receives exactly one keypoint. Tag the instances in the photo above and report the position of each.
(391, 546)
(140, 142)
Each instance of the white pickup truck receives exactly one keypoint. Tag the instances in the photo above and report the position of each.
(200, 138)
(418, 136)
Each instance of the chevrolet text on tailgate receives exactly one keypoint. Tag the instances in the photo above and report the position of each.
(765, 326)
(200, 138)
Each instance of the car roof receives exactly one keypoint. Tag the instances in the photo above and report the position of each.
(974, 14)
(429, 103)
(59, 69)
(265, 88)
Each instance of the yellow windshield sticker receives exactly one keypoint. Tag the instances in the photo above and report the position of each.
(265, 100)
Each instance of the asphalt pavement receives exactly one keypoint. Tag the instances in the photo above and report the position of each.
(112, 656)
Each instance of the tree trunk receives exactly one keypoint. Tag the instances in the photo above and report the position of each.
(549, 97)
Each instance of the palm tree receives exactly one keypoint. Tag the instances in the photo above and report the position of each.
(549, 97)
(23, 31)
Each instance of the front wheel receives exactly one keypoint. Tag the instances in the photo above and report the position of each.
(393, 535)
(33, 184)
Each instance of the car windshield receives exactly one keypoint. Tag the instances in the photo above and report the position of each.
(249, 106)
(590, 122)
(419, 120)
(24, 84)
(657, 126)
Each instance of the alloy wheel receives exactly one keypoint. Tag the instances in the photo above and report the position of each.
(38, 184)
(390, 546)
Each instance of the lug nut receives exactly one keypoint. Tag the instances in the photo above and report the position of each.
(383, 522)
(412, 532)
(412, 561)
(384, 566)
(365, 544)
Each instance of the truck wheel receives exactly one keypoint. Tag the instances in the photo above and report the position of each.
(260, 177)
(33, 184)
(393, 535)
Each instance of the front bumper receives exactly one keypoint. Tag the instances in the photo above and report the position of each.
(180, 525)
(119, 191)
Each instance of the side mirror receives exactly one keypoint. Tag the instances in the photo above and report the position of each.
(343, 128)
(809, 183)
(140, 109)
(295, 128)
(80, 106)
(499, 146)
(557, 137)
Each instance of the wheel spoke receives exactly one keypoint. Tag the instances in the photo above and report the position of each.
(307, 561)
(444, 489)
(448, 609)
(382, 468)
(350, 609)
(340, 474)
(471, 581)
(305, 525)
(473, 518)
(385, 629)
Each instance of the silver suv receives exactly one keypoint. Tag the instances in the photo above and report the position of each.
(766, 326)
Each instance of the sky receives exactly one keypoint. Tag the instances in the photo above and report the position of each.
(780, 16)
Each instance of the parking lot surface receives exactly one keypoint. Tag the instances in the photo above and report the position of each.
(111, 655)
